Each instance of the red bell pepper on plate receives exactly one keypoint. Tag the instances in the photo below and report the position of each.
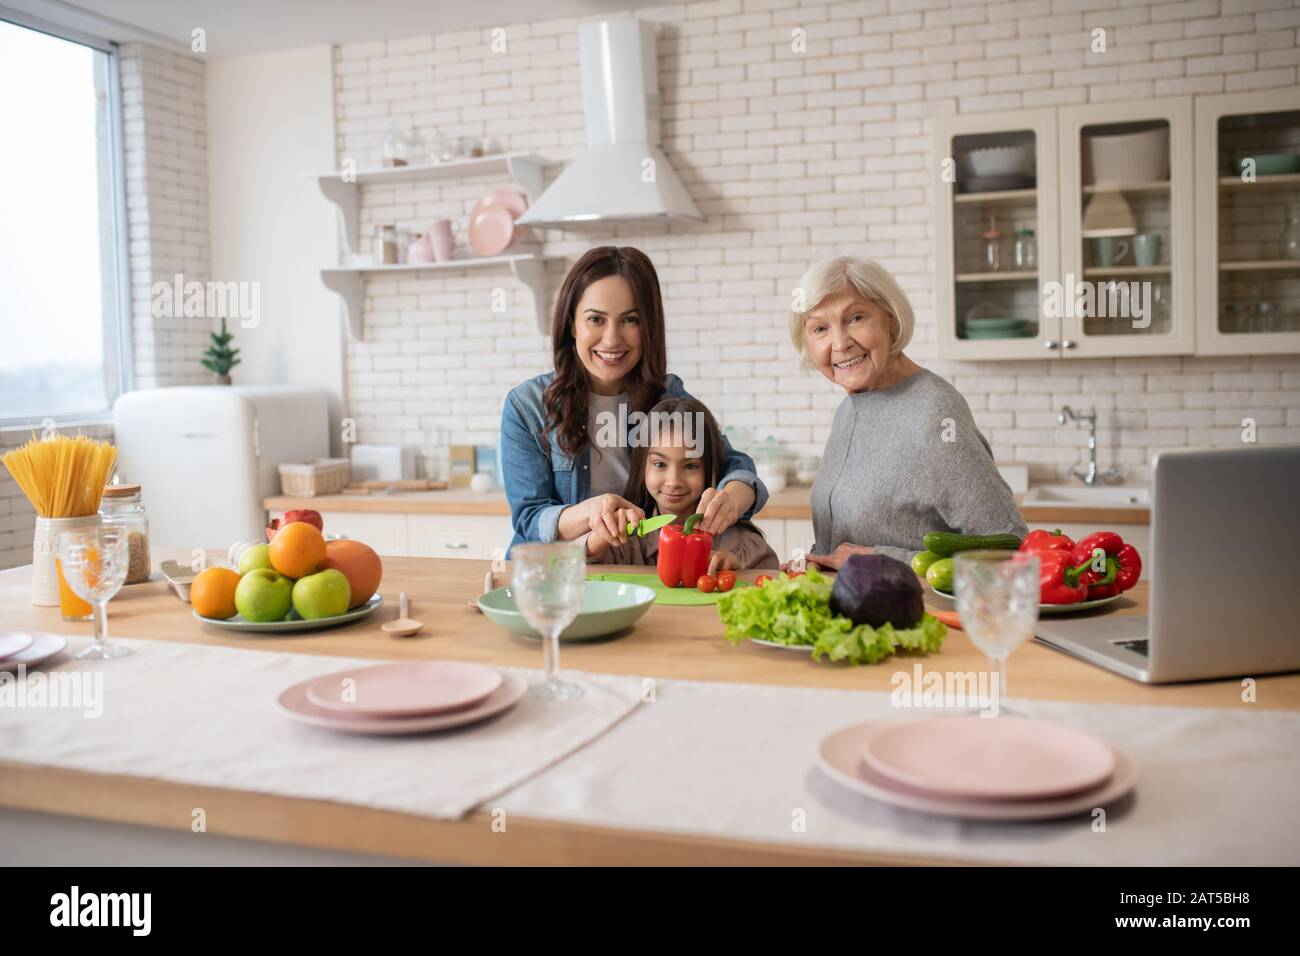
(1059, 580)
(683, 554)
(1042, 540)
(1113, 566)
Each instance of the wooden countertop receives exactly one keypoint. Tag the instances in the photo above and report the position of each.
(790, 503)
(675, 642)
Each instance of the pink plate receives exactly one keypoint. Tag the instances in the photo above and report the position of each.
(989, 758)
(293, 703)
(404, 689)
(840, 757)
(511, 199)
(491, 230)
(42, 648)
(13, 642)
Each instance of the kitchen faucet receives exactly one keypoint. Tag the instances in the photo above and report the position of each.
(1088, 475)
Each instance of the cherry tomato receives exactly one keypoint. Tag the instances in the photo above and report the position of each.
(762, 579)
(706, 583)
(794, 574)
(726, 580)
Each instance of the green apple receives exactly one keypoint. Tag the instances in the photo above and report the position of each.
(254, 557)
(323, 594)
(263, 594)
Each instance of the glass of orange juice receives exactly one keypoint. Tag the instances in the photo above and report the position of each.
(73, 607)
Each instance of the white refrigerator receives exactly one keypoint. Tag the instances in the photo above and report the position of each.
(206, 456)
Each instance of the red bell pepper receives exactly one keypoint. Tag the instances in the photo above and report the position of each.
(1037, 542)
(683, 554)
(1123, 564)
(1059, 580)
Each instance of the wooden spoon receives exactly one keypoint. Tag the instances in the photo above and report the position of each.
(405, 625)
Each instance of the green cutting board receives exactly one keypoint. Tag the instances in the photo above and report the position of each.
(667, 595)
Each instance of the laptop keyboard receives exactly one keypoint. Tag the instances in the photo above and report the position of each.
(1138, 647)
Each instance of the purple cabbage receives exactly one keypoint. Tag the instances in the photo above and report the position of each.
(874, 589)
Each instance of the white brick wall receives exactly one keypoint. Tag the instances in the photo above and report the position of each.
(165, 144)
(794, 157)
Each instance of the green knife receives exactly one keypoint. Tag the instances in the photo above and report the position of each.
(643, 528)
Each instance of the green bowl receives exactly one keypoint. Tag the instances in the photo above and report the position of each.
(607, 607)
(1269, 164)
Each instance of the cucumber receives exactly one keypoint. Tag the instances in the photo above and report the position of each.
(940, 575)
(945, 544)
(922, 560)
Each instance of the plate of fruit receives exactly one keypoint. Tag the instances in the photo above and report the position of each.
(298, 581)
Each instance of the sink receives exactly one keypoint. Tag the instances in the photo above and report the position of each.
(1081, 496)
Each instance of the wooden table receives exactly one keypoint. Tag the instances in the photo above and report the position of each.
(671, 642)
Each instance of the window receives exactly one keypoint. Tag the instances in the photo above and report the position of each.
(64, 320)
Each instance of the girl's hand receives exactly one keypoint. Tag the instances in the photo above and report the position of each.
(723, 560)
(721, 509)
(837, 557)
(610, 515)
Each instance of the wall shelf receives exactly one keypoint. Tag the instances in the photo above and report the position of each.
(349, 281)
(344, 189)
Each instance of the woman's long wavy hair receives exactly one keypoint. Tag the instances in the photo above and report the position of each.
(565, 399)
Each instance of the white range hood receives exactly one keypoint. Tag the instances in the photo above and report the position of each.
(623, 174)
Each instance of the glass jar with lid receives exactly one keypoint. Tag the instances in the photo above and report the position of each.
(121, 505)
(1025, 251)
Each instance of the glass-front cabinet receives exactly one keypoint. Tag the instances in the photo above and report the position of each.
(1127, 237)
(1152, 227)
(996, 231)
(1248, 202)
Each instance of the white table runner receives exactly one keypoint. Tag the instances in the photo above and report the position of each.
(1217, 786)
(202, 715)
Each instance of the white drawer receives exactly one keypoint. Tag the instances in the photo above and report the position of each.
(798, 534)
(458, 536)
(384, 532)
(774, 530)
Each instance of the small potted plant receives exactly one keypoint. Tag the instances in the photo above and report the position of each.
(220, 358)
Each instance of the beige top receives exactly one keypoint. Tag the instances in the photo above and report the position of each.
(742, 539)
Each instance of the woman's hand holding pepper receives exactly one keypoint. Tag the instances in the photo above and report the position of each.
(722, 509)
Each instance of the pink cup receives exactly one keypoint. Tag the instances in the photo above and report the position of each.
(442, 240)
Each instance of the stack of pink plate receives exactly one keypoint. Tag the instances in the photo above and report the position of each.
(402, 698)
(27, 648)
(985, 768)
(492, 228)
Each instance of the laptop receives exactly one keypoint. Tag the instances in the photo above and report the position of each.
(1224, 595)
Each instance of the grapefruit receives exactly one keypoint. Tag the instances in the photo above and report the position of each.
(357, 562)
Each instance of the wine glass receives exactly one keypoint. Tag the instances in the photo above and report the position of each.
(547, 581)
(997, 599)
(95, 562)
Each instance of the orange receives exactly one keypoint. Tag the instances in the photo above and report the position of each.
(297, 549)
(213, 592)
(358, 563)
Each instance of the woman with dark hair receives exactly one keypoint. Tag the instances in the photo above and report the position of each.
(566, 435)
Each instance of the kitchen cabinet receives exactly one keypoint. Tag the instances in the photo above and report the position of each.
(1248, 286)
(1141, 202)
(1124, 167)
(423, 535)
(998, 183)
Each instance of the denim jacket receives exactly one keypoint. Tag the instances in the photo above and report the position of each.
(540, 484)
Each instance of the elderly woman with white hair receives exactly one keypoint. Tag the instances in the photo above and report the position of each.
(904, 456)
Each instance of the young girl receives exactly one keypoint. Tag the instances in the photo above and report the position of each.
(665, 478)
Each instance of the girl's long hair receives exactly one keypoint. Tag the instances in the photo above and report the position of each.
(565, 398)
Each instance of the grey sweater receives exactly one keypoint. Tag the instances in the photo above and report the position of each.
(903, 461)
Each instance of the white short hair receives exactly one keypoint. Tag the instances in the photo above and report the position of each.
(869, 279)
